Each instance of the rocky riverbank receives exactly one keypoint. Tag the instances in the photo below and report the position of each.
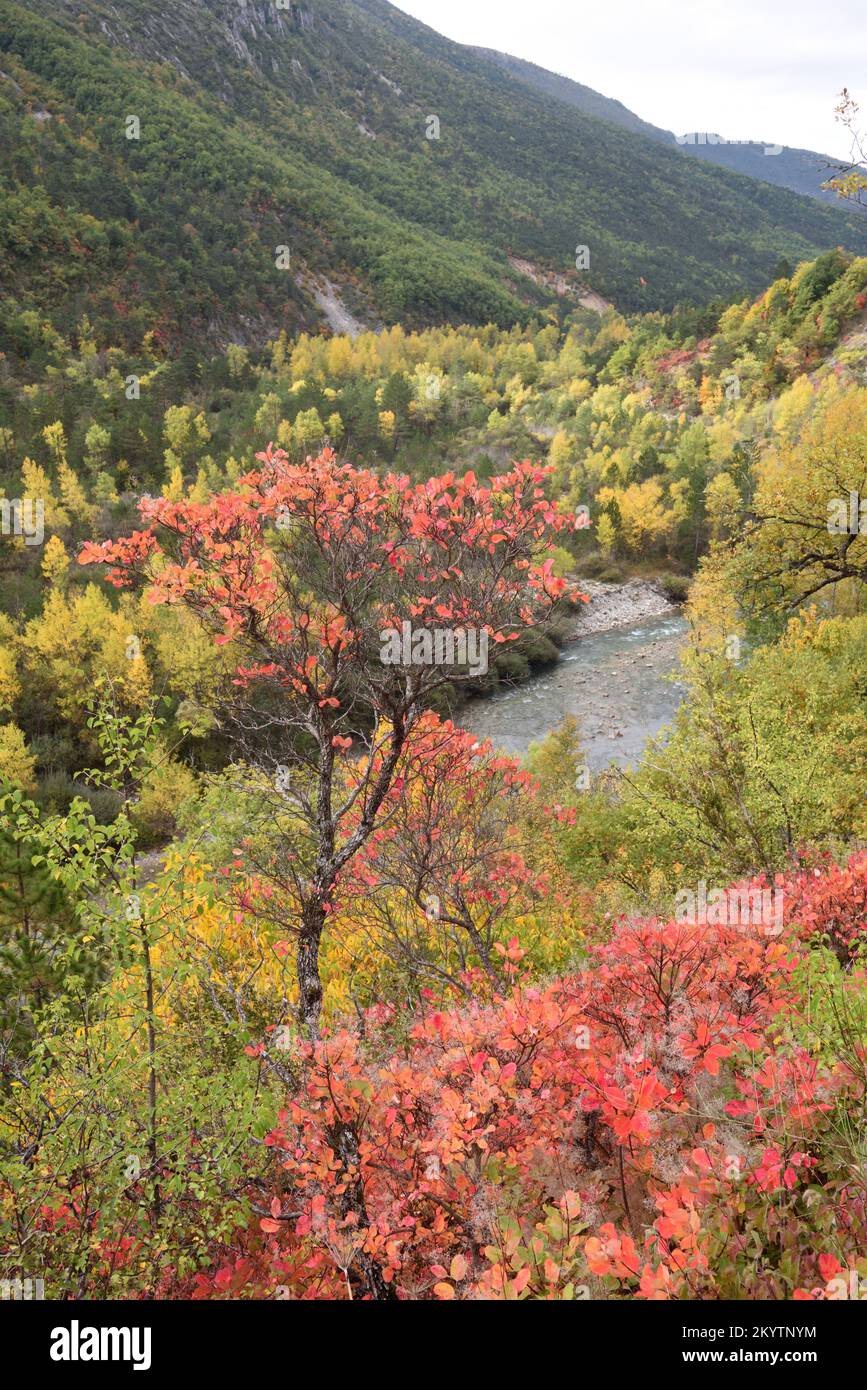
(619, 605)
(611, 675)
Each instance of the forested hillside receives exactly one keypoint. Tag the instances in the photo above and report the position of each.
(190, 172)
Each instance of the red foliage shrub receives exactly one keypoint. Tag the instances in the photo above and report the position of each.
(631, 1102)
(646, 1129)
(827, 901)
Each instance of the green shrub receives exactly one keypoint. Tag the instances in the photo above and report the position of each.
(674, 586)
(58, 790)
(155, 814)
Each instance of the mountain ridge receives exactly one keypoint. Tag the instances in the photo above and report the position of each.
(800, 170)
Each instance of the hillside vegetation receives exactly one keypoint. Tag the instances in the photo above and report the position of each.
(306, 992)
(307, 129)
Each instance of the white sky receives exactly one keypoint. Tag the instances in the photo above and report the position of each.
(746, 69)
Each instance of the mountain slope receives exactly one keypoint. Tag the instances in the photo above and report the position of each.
(802, 171)
(306, 128)
(574, 94)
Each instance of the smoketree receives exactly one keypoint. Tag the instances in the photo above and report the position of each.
(309, 570)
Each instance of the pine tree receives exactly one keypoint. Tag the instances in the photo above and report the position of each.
(36, 922)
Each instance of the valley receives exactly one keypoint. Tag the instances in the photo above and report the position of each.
(433, 719)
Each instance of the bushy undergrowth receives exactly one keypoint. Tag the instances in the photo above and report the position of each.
(682, 1118)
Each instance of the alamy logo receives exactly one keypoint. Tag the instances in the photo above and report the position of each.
(22, 516)
(76, 1343)
(22, 1289)
(435, 646)
(709, 137)
(847, 516)
(731, 907)
(847, 1284)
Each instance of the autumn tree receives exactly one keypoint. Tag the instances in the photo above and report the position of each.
(807, 528)
(308, 570)
(429, 889)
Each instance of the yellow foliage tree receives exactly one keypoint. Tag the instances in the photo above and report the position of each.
(334, 427)
(606, 534)
(723, 505)
(644, 518)
(76, 640)
(17, 764)
(35, 484)
(55, 562)
(74, 498)
(55, 437)
(10, 685)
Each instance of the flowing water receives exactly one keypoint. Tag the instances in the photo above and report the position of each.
(613, 682)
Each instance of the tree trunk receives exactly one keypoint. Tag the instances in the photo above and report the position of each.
(307, 966)
(344, 1141)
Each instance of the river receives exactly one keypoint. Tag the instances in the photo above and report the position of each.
(613, 682)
